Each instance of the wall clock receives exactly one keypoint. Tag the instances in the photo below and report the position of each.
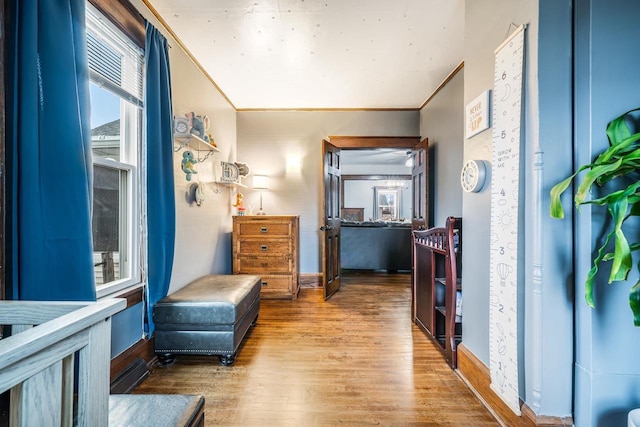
(473, 176)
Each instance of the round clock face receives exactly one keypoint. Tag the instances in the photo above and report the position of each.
(472, 176)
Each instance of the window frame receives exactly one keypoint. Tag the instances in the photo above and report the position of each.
(395, 206)
(131, 166)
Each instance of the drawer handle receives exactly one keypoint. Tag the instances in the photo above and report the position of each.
(265, 283)
(264, 229)
(264, 247)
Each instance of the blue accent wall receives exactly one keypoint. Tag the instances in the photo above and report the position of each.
(607, 83)
(126, 329)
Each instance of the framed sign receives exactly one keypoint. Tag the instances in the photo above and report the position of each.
(477, 114)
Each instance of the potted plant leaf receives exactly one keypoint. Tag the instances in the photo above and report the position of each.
(616, 173)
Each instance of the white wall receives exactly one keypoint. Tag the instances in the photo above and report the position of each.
(267, 139)
(442, 123)
(203, 233)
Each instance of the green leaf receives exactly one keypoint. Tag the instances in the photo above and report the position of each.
(618, 149)
(634, 302)
(588, 283)
(555, 208)
(617, 129)
(591, 176)
(622, 261)
(629, 193)
(621, 159)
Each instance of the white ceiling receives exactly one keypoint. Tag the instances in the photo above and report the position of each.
(342, 54)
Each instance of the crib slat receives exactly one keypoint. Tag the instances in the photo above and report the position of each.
(45, 388)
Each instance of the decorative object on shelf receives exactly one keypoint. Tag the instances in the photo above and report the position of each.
(181, 127)
(239, 204)
(229, 172)
(473, 176)
(243, 169)
(196, 191)
(615, 172)
(188, 162)
(211, 141)
(199, 125)
(260, 182)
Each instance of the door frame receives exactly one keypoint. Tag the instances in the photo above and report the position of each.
(365, 142)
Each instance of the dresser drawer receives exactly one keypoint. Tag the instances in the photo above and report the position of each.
(268, 246)
(264, 247)
(279, 229)
(277, 283)
(262, 265)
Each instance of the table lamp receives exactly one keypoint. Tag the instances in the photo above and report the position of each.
(260, 182)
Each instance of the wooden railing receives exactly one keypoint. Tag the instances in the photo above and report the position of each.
(37, 361)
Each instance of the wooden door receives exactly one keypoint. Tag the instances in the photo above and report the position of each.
(420, 180)
(331, 218)
(419, 214)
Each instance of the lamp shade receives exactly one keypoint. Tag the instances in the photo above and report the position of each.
(261, 182)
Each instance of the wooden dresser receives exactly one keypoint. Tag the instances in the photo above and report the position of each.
(268, 246)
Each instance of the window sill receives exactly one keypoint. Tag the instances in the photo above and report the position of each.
(121, 290)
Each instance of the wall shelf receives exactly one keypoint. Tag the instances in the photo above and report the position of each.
(196, 143)
(231, 184)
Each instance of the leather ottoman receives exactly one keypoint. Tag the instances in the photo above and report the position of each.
(209, 316)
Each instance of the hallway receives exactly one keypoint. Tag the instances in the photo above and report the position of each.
(353, 360)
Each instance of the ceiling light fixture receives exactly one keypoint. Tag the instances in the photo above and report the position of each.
(409, 162)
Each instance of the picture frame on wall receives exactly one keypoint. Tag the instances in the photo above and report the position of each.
(353, 214)
(477, 114)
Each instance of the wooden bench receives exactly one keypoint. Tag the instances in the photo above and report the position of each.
(209, 316)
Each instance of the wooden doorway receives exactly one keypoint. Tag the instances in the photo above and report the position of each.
(331, 216)
(331, 251)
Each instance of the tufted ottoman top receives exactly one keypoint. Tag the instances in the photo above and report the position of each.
(217, 299)
(139, 410)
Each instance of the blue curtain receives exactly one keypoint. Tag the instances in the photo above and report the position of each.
(161, 217)
(49, 169)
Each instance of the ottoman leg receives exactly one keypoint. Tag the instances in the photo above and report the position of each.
(228, 359)
(254, 321)
(167, 359)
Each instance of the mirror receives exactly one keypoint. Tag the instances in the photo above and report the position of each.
(377, 197)
(377, 183)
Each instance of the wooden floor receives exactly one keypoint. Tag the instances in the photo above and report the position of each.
(356, 359)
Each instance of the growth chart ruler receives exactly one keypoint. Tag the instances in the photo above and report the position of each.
(503, 290)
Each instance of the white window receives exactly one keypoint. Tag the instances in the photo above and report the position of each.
(387, 201)
(115, 65)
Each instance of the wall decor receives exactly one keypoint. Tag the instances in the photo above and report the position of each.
(229, 172)
(181, 127)
(503, 255)
(477, 116)
(352, 214)
(473, 175)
